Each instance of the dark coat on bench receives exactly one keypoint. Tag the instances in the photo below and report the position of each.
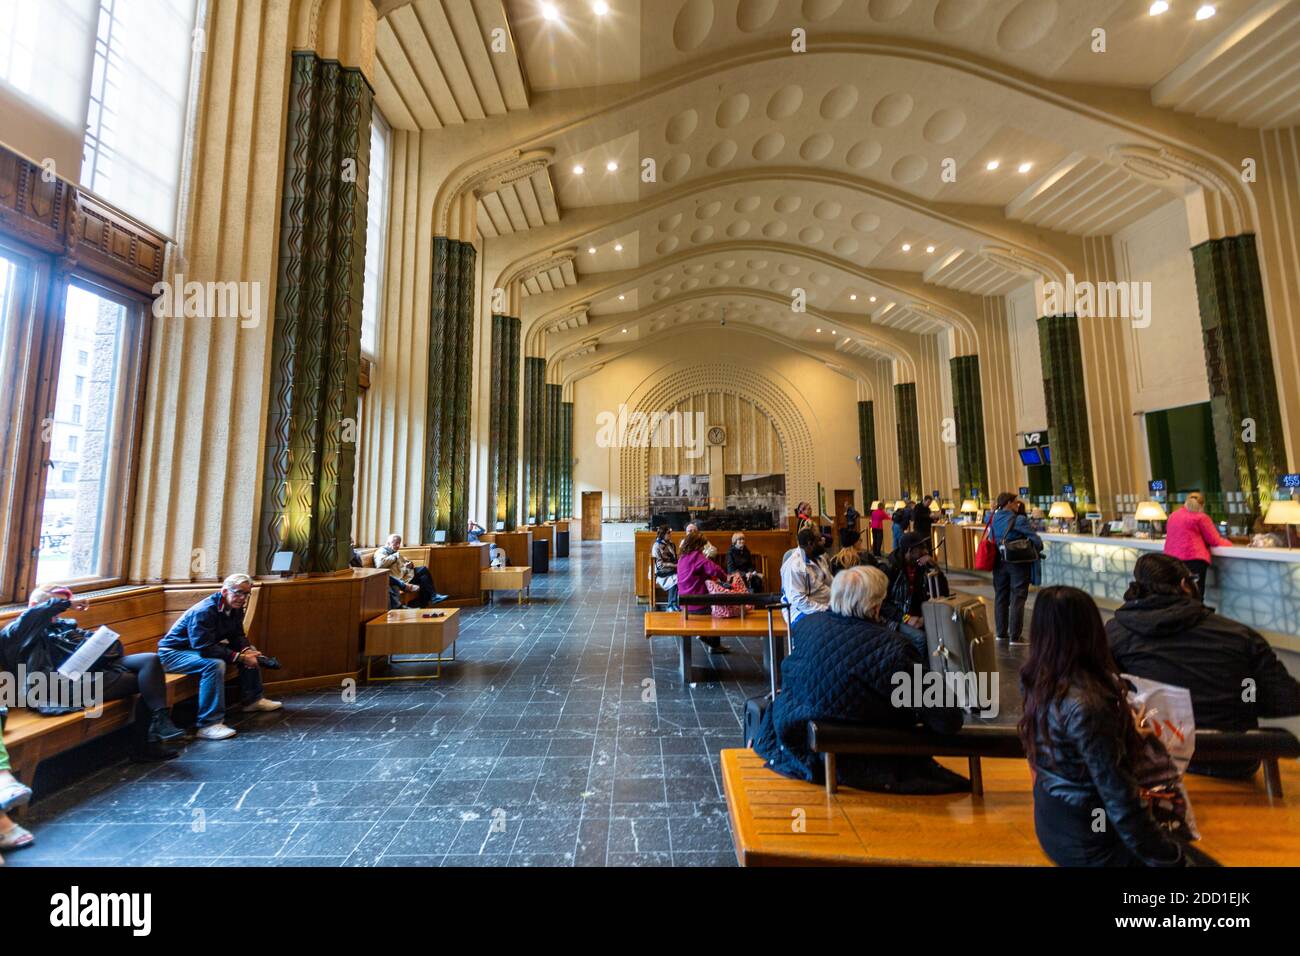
(842, 668)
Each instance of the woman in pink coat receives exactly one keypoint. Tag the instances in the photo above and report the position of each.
(693, 570)
(1189, 535)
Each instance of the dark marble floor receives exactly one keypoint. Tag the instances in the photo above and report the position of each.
(560, 737)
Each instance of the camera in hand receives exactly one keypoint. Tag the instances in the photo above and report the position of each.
(270, 663)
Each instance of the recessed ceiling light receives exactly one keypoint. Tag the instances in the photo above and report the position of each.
(1025, 167)
(1157, 8)
(612, 166)
(872, 299)
(1206, 11)
(618, 247)
(907, 247)
(549, 11)
(621, 298)
(930, 249)
(853, 298)
(833, 332)
(992, 165)
(625, 331)
(578, 170)
(819, 331)
(600, 8)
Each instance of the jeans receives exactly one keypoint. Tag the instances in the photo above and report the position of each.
(1010, 589)
(877, 540)
(898, 535)
(212, 681)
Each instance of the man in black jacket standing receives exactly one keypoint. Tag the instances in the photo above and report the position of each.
(1164, 633)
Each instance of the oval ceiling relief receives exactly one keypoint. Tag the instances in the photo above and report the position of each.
(944, 126)
(753, 15)
(887, 9)
(816, 147)
(909, 169)
(677, 167)
(864, 154)
(1027, 24)
(721, 154)
(785, 102)
(732, 110)
(681, 126)
(820, 9)
(693, 23)
(839, 102)
(768, 147)
(953, 15)
(892, 110)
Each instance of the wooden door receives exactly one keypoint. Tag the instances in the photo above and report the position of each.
(592, 506)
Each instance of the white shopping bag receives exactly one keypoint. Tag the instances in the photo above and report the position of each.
(1169, 716)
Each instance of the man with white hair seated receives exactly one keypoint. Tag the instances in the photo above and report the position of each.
(407, 571)
(204, 641)
(847, 665)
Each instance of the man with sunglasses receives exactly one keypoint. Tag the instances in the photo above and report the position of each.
(204, 641)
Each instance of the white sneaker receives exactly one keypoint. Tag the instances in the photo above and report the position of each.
(215, 732)
(263, 704)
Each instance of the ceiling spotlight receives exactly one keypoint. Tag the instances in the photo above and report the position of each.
(1207, 10)
(1157, 8)
(578, 170)
(618, 247)
(907, 247)
(819, 331)
(621, 298)
(625, 331)
(992, 165)
(930, 249)
(600, 8)
(612, 166)
(549, 11)
(1024, 168)
(853, 298)
(833, 332)
(872, 299)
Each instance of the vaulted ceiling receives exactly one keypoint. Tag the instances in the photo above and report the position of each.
(918, 152)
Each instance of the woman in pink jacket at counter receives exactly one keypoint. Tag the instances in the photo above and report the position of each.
(1189, 535)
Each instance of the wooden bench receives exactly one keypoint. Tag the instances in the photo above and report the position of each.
(831, 737)
(776, 821)
(756, 623)
(140, 616)
(654, 590)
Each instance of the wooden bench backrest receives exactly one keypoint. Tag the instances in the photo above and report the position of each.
(418, 556)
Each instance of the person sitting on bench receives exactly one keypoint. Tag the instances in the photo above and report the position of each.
(396, 588)
(40, 641)
(806, 577)
(1164, 633)
(406, 571)
(911, 569)
(207, 638)
(1084, 744)
(741, 561)
(12, 796)
(664, 556)
(842, 668)
(693, 570)
(475, 531)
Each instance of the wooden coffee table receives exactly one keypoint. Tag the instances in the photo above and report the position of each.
(509, 579)
(424, 633)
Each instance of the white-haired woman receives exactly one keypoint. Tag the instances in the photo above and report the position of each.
(741, 561)
(204, 641)
(845, 666)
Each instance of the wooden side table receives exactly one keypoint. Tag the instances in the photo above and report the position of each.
(509, 579)
(422, 633)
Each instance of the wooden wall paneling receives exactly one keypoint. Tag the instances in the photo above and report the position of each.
(457, 572)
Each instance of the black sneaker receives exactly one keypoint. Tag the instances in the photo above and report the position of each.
(438, 599)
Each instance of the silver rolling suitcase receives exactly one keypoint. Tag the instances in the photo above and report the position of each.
(960, 644)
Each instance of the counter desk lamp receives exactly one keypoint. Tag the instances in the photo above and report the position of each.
(970, 506)
(1063, 512)
(1150, 511)
(1284, 511)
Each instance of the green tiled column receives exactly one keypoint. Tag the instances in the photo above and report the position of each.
(503, 436)
(1239, 362)
(968, 408)
(867, 453)
(909, 439)
(1067, 405)
(553, 453)
(566, 461)
(310, 450)
(451, 349)
(534, 403)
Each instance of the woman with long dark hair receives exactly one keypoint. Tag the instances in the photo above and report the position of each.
(664, 555)
(1083, 744)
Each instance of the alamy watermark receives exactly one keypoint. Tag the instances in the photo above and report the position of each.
(969, 690)
(1099, 300)
(179, 299)
(41, 689)
(624, 429)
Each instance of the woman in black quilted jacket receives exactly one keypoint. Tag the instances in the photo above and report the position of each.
(845, 666)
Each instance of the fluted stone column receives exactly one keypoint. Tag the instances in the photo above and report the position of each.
(867, 452)
(310, 451)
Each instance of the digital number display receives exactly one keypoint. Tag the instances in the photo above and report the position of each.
(1067, 489)
(1289, 481)
(1156, 484)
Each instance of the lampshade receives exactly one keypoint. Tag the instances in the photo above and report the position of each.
(875, 505)
(934, 506)
(1283, 511)
(969, 506)
(947, 505)
(1150, 511)
(1061, 509)
(900, 503)
(1037, 512)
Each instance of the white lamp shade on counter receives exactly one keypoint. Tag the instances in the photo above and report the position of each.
(1061, 509)
(1150, 511)
(1283, 511)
